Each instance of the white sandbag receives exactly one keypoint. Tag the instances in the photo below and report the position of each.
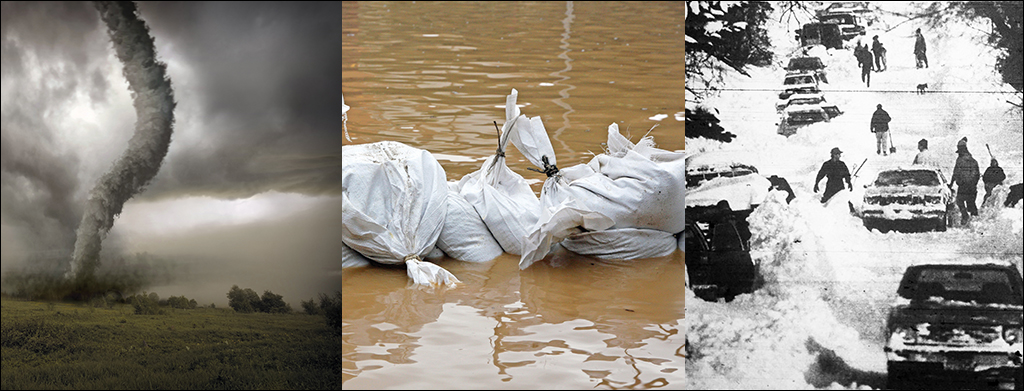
(352, 259)
(635, 186)
(623, 244)
(465, 236)
(394, 203)
(502, 198)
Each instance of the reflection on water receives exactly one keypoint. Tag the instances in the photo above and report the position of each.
(583, 323)
(434, 75)
(564, 93)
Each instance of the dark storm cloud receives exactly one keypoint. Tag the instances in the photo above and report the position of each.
(265, 76)
(269, 79)
(38, 179)
(264, 80)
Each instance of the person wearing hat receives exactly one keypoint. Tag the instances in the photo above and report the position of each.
(965, 176)
(836, 172)
(920, 50)
(993, 177)
(879, 51)
(880, 126)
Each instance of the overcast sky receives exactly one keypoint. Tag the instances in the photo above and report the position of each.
(258, 87)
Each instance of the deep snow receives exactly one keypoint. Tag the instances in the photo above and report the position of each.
(818, 321)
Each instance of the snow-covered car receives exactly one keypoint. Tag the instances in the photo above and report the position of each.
(850, 25)
(908, 195)
(808, 99)
(859, 8)
(797, 116)
(718, 261)
(825, 34)
(807, 64)
(957, 322)
(712, 177)
(800, 83)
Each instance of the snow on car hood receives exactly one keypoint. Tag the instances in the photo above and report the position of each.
(741, 192)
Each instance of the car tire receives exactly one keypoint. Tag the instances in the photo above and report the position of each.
(940, 225)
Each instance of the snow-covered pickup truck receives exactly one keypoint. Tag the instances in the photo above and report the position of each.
(908, 195)
(957, 322)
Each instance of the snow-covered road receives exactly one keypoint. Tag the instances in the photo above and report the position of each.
(818, 321)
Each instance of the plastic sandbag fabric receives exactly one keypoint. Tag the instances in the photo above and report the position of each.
(625, 243)
(351, 258)
(394, 203)
(465, 236)
(631, 186)
(503, 199)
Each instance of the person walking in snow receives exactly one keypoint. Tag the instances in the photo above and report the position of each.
(879, 51)
(880, 126)
(836, 172)
(858, 55)
(865, 66)
(993, 177)
(920, 50)
(965, 177)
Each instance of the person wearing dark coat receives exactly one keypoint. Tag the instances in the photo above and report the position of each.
(965, 176)
(920, 50)
(1016, 194)
(781, 184)
(879, 51)
(836, 172)
(993, 177)
(880, 126)
(864, 59)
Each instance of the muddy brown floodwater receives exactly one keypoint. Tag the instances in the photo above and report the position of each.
(435, 76)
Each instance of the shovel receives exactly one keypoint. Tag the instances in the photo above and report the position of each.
(892, 147)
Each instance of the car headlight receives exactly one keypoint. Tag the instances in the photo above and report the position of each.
(906, 334)
(1012, 335)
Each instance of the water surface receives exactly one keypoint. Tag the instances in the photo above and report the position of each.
(435, 76)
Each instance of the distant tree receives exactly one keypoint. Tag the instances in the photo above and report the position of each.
(273, 304)
(1007, 35)
(146, 304)
(702, 123)
(311, 307)
(729, 33)
(331, 308)
(243, 300)
(721, 35)
(181, 302)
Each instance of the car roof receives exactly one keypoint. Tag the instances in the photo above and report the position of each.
(717, 159)
(971, 263)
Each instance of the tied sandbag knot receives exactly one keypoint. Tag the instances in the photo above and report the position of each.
(412, 257)
(549, 169)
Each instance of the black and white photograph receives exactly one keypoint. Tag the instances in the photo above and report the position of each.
(853, 195)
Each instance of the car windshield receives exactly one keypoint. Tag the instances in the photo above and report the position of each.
(799, 80)
(805, 63)
(965, 285)
(838, 19)
(805, 101)
(907, 178)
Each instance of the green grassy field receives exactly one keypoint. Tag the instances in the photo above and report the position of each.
(76, 346)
